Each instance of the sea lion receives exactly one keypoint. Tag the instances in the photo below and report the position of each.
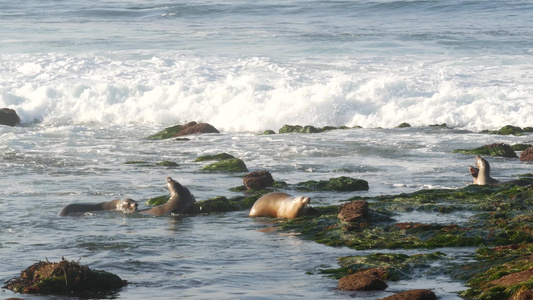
(280, 205)
(483, 176)
(124, 205)
(181, 201)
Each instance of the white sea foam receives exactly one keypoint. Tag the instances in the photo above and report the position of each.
(258, 93)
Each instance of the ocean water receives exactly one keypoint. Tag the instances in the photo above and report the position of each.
(91, 80)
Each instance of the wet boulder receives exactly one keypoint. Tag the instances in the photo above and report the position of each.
(9, 117)
(367, 280)
(418, 294)
(339, 184)
(258, 180)
(181, 130)
(64, 278)
(527, 155)
(353, 211)
(227, 165)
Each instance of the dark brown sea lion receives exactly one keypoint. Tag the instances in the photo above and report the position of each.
(181, 201)
(280, 205)
(124, 205)
(483, 176)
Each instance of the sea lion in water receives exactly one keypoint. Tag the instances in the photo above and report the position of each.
(124, 205)
(280, 205)
(181, 201)
(474, 172)
(483, 175)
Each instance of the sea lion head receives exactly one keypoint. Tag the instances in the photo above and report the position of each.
(482, 164)
(127, 206)
(474, 171)
(301, 202)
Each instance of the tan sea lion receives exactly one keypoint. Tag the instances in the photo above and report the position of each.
(280, 205)
(181, 201)
(483, 176)
(124, 205)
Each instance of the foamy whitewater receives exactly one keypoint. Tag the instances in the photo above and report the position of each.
(91, 79)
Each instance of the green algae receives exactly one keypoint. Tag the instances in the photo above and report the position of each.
(166, 133)
(307, 129)
(226, 165)
(492, 150)
(217, 157)
(506, 130)
(340, 184)
(167, 163)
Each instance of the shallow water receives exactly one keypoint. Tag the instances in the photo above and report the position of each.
(91, 80)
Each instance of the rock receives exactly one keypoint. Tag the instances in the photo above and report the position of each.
(419, 294)
(64, 278)
(218, 157)
(268, 132)
(353, 211)
(181, 130)
(367, 280)
(527, 155)
(339, 184)
(9, 117)
(258, 180)
(227, 165)
(404, 125)
(496, 149)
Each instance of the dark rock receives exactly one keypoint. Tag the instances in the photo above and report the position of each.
(268, 132)
(527, 155)
(496, 149)
(339, 184)
(218, 157)
(419, 294)
(353, 211)
(258, 180)
(367, 280)
(181, 130)
(64, 278)
(9, 117)
(404, 125)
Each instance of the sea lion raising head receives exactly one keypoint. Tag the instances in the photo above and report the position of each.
(181, 201)
(483, 175)
(123, 205)
(280, 205)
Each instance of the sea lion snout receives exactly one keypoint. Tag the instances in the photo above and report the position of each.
(304, 199)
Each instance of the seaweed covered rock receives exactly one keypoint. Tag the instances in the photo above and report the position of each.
(258, 180)
(64, 278)
(181, 130)
(9, 117)
(339, 184)
(404, 125)
(418, 294)
(496, 149)
(366, 280)
(527, 155)
(506, 130)
(307, 129)
(226, 165)
(214, 205)
(217, 157)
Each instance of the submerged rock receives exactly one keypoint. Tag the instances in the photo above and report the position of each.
(9, 117)
(307, 129)
(181, 130)
(218, 157)
(339, 184)
(404, 125)
(419, 294)
(64, 278)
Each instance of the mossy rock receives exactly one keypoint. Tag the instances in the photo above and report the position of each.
(166, 133)
(227, 165)
(340, 184)
(298, 129)
(497, 149)
(268, 132)
(506, 130)
(218, 157)
(528, 129)
(497, 273)
(443, 125)
(158, 200)
(404, 125)
(65, 278)
(520, 147)
(167, 163)
(135, 162)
